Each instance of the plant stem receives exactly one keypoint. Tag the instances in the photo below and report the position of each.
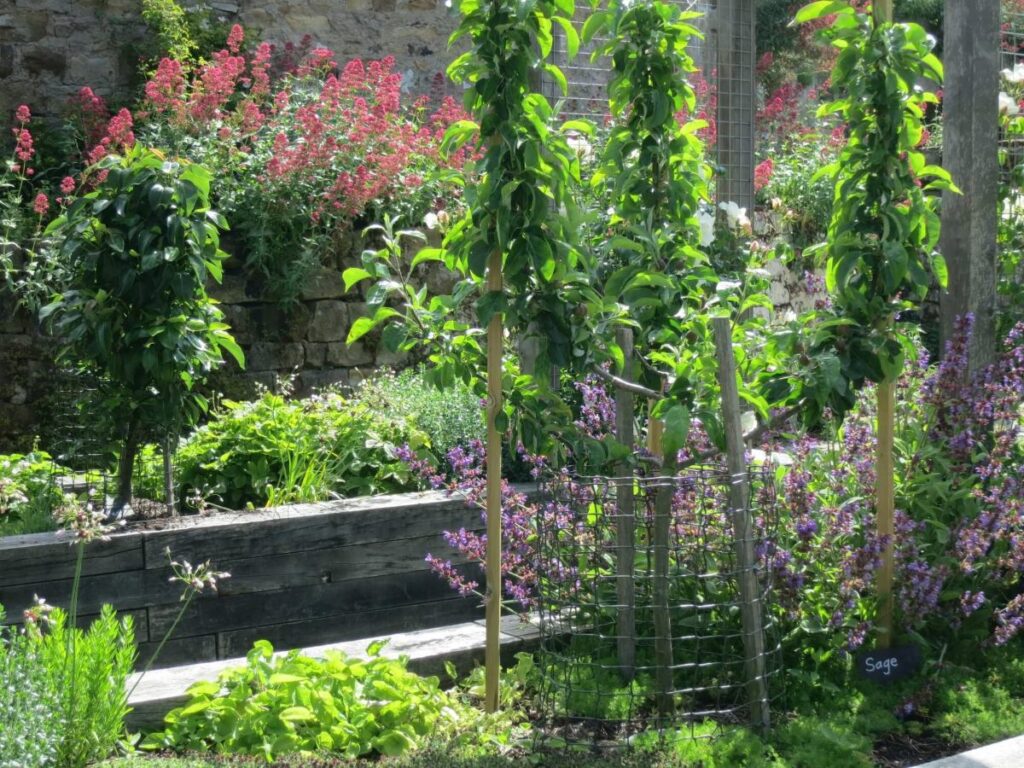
(163, 641)
(71, 645)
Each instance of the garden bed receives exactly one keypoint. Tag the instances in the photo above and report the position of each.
(300, 575)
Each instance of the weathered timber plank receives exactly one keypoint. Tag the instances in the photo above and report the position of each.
(224, 612)
(38, 557)
(177, 651)
(325, 566)
(305, 527)
(346, 626)
(152, 588)
(124, 591)
(427, 650)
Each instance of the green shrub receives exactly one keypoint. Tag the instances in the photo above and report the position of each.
(91, 668)
(448, 417)
(66, 688)
(276, 706)
(275, 451)
(28, 494)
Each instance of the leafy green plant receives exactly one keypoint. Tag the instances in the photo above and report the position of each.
(448, 417)
(92, 668)
(293, 703)
(139, 248)
(798, 193)
(167, 22)
(29, 494)
(274, 450)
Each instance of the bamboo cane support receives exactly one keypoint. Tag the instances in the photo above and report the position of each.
(492, 652)
(625, 521)
(885, 506)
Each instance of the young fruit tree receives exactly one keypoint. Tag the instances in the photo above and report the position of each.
(138, 250)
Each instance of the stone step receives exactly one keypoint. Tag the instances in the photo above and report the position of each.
(1002, 754)
(162, 690)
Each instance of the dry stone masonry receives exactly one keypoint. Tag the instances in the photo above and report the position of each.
(49, 49)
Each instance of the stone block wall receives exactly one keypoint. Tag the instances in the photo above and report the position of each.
(300, 347)
(49, 49)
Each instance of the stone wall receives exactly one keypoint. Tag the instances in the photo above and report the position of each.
(300, 348)
(49, 49)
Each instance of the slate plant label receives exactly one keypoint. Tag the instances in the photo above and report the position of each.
(886, 665)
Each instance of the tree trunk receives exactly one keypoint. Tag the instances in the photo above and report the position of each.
(126, 468)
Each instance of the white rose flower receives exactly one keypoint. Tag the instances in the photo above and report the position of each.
(430, 221)
(1008, 105)
(1015, 75)
(706, 219)
(735, 216)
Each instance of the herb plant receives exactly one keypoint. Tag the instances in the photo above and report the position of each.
(278, 705)
(29, 703)
(448, 417)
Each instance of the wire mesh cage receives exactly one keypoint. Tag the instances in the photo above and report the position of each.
(626, 648)
(588, 80)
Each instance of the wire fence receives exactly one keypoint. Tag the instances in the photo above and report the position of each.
(588, 79)
(622, 653)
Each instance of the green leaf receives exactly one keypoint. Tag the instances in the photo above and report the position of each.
(296, 714)
(280, 678)
(677, 430)
(374, 648)
(820, 9)
(353, 275)
(572, 38)
(428, 254)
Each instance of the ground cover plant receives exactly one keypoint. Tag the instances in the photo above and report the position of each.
(278, 451)
(28, 494)
(296, 704)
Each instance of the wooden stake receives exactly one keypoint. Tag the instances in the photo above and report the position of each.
(661, 542)
(885, 501)
(882, 10)
(492, 651)
(885, 505)
(625, 520)
(743, 529)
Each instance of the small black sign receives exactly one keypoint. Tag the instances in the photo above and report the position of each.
(885, 665)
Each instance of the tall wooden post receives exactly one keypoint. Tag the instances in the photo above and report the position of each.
(885, 501)
(970, 149)
(751, 609)
(737, 98)
(625, 519)
(495, 339)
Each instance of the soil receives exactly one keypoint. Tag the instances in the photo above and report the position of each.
(902, 750)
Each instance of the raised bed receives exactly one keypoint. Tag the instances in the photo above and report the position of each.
(301, 575)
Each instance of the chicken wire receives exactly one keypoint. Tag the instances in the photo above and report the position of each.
(590, 689)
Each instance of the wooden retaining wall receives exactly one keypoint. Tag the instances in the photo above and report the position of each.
(301, 575)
